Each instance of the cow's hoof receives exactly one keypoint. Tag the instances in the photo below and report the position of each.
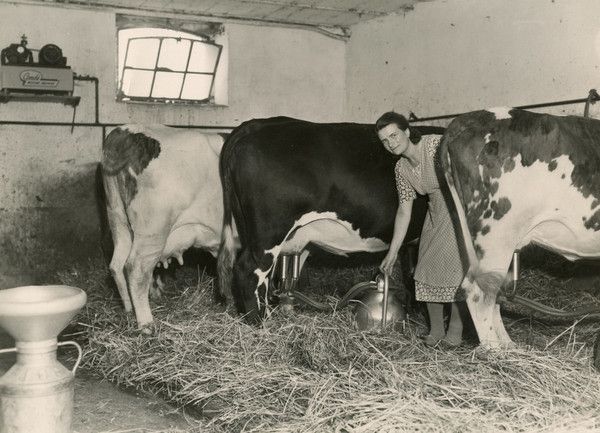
(155, 294)
(253, 318)
(494, 349)
(231, 310)
(156, 291)
(147, 329)
(451, 343)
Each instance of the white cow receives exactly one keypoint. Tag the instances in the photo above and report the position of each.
(163, 196)
(517, 178)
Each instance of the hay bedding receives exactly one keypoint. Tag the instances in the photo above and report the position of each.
(314, 373)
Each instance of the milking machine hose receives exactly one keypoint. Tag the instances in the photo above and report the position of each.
(589, 312)
(351, 293)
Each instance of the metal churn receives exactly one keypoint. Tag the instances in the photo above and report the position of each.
(36, 393)
(377, 307)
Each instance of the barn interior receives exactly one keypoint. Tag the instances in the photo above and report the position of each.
(322, 61)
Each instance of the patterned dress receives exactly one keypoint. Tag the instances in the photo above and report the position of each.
(439, 270)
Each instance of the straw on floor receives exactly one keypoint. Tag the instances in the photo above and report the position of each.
(314, 372)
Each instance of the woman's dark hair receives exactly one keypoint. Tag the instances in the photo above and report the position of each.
(390, 118)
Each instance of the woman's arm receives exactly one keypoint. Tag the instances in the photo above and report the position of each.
(400, 227)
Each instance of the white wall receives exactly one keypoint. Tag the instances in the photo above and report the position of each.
(453, 56)
(445, 56)
(48, 215)
(272, 70)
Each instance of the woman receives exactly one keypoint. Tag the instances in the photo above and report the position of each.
(439, 270)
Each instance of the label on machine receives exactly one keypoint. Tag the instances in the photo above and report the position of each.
(34, 78)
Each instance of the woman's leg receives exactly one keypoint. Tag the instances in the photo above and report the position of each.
(436, 323)
(455, 327)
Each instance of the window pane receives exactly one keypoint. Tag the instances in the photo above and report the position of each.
(137, 83)
(196, 86)
(142, 53)
(174, 54)
(203, 58)
(167, 85)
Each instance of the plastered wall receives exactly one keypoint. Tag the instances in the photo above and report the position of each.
(48, 211)
(451, 56)
(445, 56)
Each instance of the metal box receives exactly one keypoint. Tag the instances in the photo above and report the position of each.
(36, 79)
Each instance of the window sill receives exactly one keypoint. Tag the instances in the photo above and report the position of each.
(172, 103)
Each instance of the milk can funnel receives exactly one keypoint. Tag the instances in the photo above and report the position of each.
(37, 313)
(36, 393)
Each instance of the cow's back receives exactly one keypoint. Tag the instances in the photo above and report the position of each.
(530, 175)
(281, 162)
(169, 180)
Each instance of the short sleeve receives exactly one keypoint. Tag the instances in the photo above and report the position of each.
(405, 190)
(432, 142)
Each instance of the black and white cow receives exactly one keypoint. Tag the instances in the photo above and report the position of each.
(516, 178)
(163, 195)
(288, 183)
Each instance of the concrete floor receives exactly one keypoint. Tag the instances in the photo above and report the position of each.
(99, 406)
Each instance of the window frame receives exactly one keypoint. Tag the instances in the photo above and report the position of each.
(209, 100)
(205, 32)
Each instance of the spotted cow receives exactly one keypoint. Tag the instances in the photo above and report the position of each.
(289, 183)
(163, 196)
(516, 178)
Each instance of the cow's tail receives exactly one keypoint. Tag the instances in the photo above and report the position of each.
(114, 162)
(227, 250)
(456, 195)
(116, 213)
(118, 221)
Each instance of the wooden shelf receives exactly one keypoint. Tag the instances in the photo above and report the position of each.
(5, 97)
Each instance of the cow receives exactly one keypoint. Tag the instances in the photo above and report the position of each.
(163, 196)
(289, 183)
(515, 178)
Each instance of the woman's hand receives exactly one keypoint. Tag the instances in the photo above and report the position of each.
(387, 265)
(401, 222)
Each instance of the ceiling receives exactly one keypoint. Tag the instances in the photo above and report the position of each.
(320, 13)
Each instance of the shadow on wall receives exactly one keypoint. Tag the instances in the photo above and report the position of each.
(37, 241)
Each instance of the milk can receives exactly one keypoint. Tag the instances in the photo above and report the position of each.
(36, 394)
(376, 308)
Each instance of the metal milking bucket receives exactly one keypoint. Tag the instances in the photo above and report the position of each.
(376, 308)
(375, 304)
(36, 393)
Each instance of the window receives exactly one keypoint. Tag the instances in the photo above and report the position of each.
(158, 64)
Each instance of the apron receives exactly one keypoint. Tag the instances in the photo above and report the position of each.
(439, 271)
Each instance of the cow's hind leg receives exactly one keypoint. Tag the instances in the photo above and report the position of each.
(122, 249)
(244, 282)
(225, 265)
(158, 285)
(140, 264)
(482, 291)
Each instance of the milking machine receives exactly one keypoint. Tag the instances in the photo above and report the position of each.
(511, 296)
(591, 312)
(287, 286)
(374, 304)
(20, 75)
(36, 393)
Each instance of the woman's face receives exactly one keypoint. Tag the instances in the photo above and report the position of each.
(394, 139)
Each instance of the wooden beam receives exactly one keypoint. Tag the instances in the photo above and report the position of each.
(340, 32)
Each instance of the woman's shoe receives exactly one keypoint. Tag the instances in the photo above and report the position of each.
(451, 341)
(432, 340)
